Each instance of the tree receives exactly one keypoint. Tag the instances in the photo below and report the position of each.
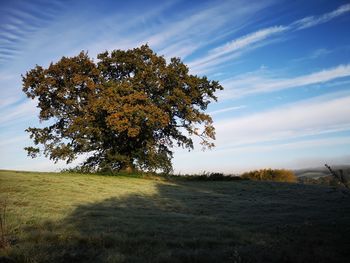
(125, 111)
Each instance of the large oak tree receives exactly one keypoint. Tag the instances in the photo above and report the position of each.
(125, 111)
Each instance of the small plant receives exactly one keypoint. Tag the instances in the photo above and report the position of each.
(3, 227)
(277, 175)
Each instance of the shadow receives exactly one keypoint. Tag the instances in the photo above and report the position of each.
(200, 222)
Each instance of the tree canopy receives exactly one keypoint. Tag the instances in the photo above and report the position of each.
(127, 110)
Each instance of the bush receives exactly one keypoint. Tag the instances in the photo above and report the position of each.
(277, 175)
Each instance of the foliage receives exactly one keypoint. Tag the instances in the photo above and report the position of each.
(125, 111)
(278, 175)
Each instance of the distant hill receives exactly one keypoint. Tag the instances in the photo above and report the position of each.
(318, 172)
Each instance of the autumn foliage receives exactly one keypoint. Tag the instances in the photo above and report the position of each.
(125, 111)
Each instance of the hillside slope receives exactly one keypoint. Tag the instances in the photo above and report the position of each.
(322, 171)
(88, 218)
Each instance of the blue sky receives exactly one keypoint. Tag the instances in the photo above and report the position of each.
(284, 66)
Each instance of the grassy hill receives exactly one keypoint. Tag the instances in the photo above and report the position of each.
(89, 218)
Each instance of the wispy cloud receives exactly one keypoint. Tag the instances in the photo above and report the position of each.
(16, 113)
(180, 49)
(317, 116)
(287, 146)
(257, 83)
(227, 109)
(181, 34)
(9, 84)
(6, 76)
(247, 40)
(5, 102)
(238, 44)
(186, 29)
(6, 142)
(236, 47)
(311, 21)
(320, 52)
(22, 19)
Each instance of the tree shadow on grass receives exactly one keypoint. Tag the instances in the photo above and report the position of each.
(200, 222)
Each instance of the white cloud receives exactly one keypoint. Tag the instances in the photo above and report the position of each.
(311, 117)
(9, 142)
(235, 47)
(179, 49)
(6, 76)
(238, 44)
(311, 21)
(256, 83)
(4, 102)
(300, 144)
(21, 22)
(247, 40)
(227, 109)
(16, 113)
(186, 29)
(317, 53)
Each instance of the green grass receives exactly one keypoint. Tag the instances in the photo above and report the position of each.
(89, 218)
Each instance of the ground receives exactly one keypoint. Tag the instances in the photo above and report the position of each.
(55, 217)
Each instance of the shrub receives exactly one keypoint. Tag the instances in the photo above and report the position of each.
(277, 175)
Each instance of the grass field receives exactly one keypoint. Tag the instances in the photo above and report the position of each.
(89, 218)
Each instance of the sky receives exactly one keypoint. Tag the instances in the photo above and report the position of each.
(284, 66)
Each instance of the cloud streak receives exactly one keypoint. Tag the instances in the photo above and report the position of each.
(238, 44)
(185, 31)
(311, 21)
(254, 84)
(22, 19)
(236, 47)
(227, 109)
(14, 114)
(317, 116)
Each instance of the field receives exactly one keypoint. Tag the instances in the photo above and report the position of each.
(90, 218)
